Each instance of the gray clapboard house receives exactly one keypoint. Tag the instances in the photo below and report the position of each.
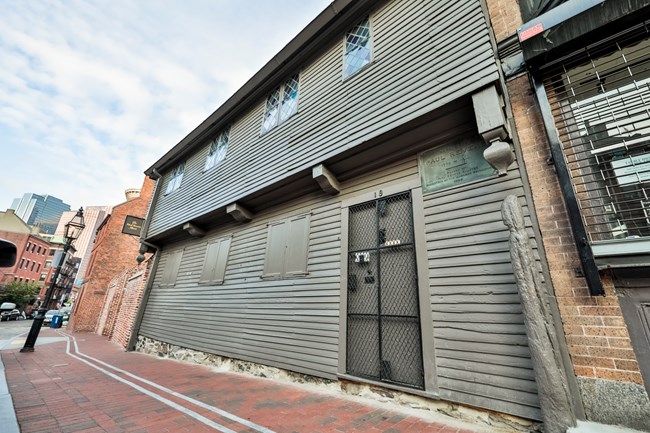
(337, 217)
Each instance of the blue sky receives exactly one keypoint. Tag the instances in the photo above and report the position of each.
(93, 92)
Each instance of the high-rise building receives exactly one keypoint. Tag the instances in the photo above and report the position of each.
(42, 211)
(93, 217)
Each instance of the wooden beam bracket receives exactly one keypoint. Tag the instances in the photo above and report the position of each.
(239, 212)
(326, 180)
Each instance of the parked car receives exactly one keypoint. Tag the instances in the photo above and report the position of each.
(10, 315)
(65, 312)
(48, 316)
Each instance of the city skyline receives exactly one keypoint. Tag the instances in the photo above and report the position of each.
(94, 94)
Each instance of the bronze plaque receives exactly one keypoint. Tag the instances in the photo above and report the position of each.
(453, 164)
(132, 225)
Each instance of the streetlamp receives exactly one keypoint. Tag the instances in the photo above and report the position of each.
(72, 230)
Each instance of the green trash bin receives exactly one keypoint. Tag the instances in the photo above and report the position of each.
(57, 321)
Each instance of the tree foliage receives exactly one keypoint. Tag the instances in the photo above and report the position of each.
(19, 293)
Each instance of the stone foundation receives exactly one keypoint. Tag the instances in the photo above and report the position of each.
(373, 393)
(618, 403)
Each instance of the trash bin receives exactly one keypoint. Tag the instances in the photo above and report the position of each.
(57, 321)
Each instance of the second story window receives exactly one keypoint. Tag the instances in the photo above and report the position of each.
(358, 48)
(281, 104)
(175, 178)
(218, 148)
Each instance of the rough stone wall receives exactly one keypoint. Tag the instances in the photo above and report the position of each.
(113, 253)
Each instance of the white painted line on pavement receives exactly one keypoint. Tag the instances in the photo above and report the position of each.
(161, 399)
(213, 409)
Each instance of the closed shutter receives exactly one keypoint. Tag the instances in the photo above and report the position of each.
(275, 246)
(600, 97)
(170, 272)
(216, 258)
(297, 246)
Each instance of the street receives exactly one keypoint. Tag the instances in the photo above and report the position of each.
(11, 329)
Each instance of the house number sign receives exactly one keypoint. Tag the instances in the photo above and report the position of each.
(454, 163)
(363, 257)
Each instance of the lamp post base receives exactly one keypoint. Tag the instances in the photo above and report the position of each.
(33, 332)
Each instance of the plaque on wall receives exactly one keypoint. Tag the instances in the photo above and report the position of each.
(454, 163)
(132, 225)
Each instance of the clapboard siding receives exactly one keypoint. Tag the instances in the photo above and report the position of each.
(419, 65)
(482, 354)
(290, 323)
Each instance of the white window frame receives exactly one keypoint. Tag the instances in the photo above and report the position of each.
(369, 46)
(175, 178)
(287, 247)
(278, 114)
(217, 150)
(215, 263)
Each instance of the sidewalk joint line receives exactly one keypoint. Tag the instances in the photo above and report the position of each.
(153, 395)
(199, 403)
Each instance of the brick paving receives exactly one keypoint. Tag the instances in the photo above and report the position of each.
(55, 392)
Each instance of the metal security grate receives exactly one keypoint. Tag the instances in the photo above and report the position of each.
(600, 99)
(383, 332)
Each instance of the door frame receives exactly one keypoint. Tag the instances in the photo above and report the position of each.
(424, 294)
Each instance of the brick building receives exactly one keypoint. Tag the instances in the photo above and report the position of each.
(114, 253)
(33, 251)
(575, 79)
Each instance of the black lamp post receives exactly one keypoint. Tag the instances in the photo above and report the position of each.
(72, 231)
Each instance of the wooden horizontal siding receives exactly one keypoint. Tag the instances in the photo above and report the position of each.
(482, 354)
(419, 65)
(289, 323)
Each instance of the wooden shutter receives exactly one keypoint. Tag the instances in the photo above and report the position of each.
(216, 258)
(297, 246)
(275, 250)
(171, 268)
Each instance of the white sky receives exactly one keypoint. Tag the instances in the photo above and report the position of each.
(94, 92)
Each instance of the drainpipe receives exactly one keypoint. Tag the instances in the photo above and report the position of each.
(144, 247)
(589, 267)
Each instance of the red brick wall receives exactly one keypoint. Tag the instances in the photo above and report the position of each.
(598, 340)
(505, 17)
(113, 253)
(26, 273)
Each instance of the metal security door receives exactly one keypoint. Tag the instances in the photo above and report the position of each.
(383, 319)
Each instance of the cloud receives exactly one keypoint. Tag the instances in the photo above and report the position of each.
(92, 93)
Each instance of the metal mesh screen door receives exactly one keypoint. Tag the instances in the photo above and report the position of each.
(383, 320)
(600, 99)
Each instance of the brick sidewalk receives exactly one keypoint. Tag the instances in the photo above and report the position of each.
(55, 392)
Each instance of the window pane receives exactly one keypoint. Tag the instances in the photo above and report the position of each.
(176, 177)
(217, 152)
(358, 48)
(271, 112)
(289, 98)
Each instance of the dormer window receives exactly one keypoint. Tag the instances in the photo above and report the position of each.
(358, 48)
(281, 104)
(175, 178)
(218, 148)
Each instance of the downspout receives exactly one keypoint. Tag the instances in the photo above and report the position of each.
(589, 267)
(144, 247)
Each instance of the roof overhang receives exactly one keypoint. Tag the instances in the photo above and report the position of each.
(312, 40)
(572, 25)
